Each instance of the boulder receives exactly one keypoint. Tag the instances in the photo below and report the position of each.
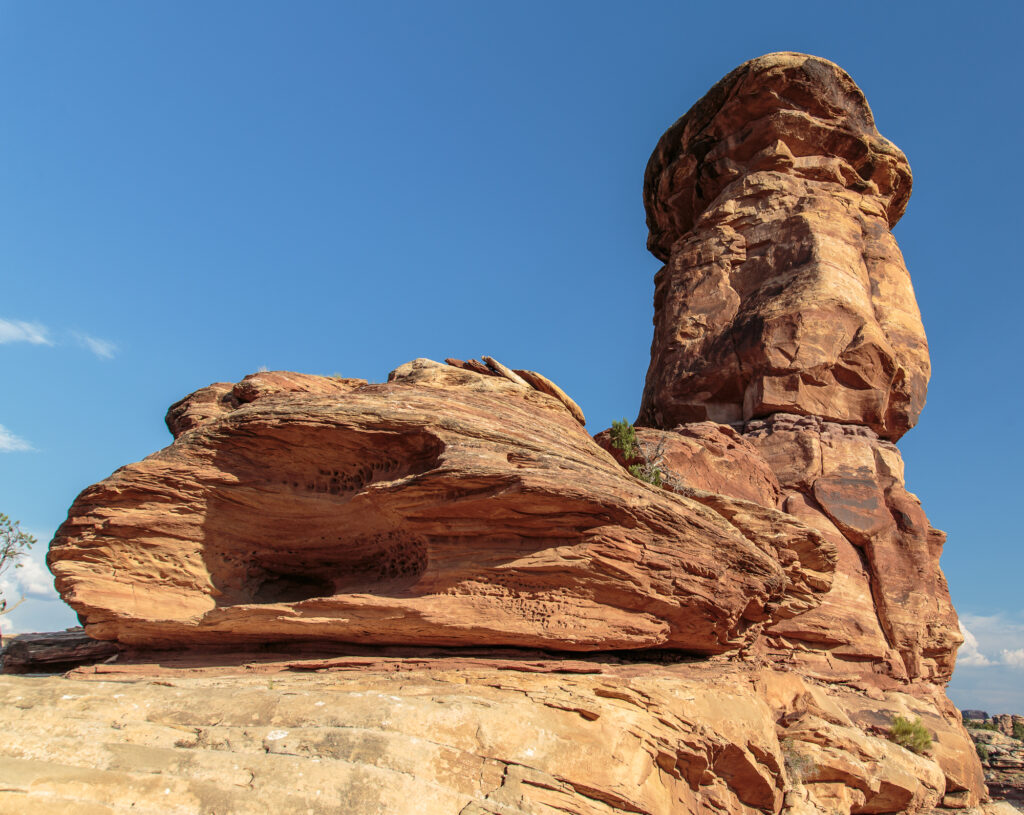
(444, 507)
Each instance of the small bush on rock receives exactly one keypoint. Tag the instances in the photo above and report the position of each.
(982, 751)
(910, 734)
(624, 439)
(1018, 731)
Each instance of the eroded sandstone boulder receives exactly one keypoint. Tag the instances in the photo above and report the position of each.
(771, 202)
(444, 507)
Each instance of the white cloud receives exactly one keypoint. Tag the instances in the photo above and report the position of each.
(35, 579)
(969, 654)
(104, 349)
(989, 665)
(9, 443)
(985, 644)
(42, 610)
(20, 331)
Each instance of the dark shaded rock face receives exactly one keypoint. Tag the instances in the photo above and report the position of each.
(783, 290)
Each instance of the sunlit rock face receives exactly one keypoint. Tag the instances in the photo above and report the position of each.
(787, 579)
(784, 310)
(783, 289)
(445, 507)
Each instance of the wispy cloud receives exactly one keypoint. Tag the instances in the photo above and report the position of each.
(986, 640)
(969, 653)
(10, 443)
(990, 662)
(104, 349)
(20, 331)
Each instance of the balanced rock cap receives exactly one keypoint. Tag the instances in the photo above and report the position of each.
(808, 103)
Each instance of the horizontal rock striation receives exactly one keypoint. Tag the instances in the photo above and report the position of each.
(444, 507)
(890, 603)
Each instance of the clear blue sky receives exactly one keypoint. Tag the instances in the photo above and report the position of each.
(193, 190)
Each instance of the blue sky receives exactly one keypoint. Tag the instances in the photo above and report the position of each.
(193, 190)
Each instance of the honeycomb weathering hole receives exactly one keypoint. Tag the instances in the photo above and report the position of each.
(388, 563)
(298, 520)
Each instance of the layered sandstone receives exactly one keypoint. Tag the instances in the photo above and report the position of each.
(498, 734)
(783, 289)
(890, 605)
(444, 507)
(788, 580)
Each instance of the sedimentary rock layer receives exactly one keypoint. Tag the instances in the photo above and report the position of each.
(770, 202)
(888, 611)
(890, 603)
(486, 734)
(444, 507)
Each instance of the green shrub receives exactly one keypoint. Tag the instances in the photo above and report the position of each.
(976, 725)
(624, 439)
(911, 735)
(1018, 731)
(982, 751)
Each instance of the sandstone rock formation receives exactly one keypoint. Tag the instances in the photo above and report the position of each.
(785, 311)
(787, 580)
(1002, 753)
(770, 202)
(444, 507)
(509, 734)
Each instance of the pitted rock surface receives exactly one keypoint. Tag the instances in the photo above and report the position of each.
(444, 507)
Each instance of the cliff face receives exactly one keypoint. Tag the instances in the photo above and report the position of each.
(786, 578)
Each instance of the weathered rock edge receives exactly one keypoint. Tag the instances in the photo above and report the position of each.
(444, 507)
(476, 735)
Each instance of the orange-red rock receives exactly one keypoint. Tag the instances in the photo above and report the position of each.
(705, 456)
(770, 202)
(464, 505)
(444, 507)
(890, 596)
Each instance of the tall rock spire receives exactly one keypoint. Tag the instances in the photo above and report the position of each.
(783, 289)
